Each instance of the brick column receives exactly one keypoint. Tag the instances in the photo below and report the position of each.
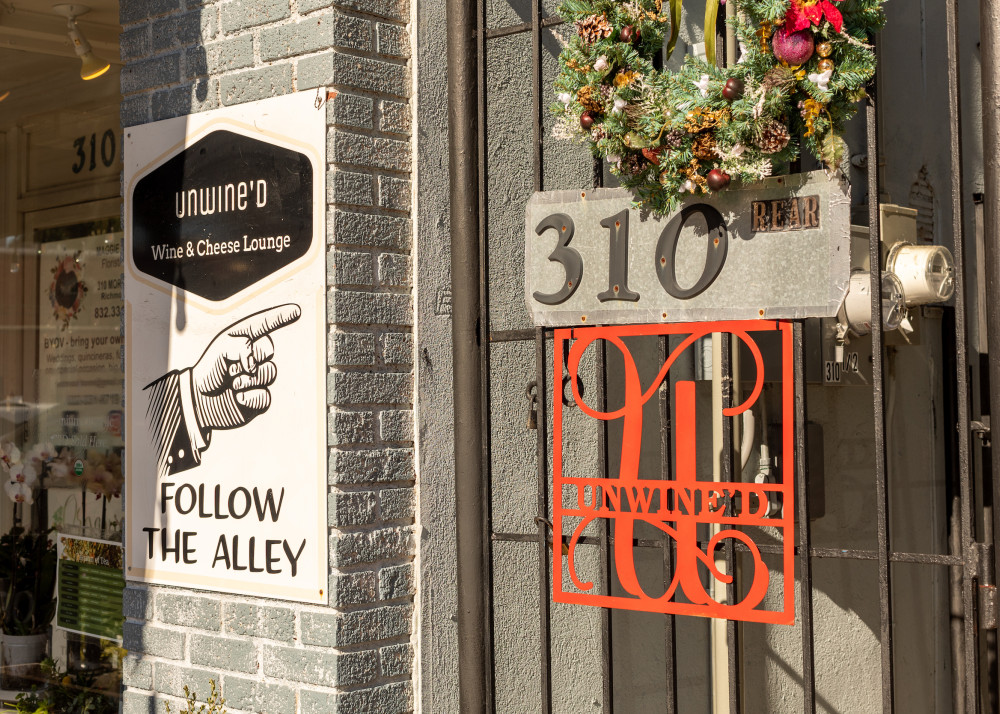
(185, 56)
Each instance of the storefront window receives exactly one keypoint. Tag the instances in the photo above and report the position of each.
(61, 443)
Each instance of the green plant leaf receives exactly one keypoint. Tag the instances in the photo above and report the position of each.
(711, 19)
(676, 6)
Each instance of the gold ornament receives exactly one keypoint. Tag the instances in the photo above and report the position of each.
(625, 78)
(691, 173)
(705, 147)
(764, 35)
(810, 111)
(824, 49)
(699, 119)
(587, 99)
(825, 65)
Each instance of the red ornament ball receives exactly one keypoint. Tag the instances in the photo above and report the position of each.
(587, 119)
(733, 90)
(793, 48)
(629, 34)
(717, 179)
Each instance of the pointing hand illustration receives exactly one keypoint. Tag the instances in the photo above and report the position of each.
(225, 389)
(231, 378)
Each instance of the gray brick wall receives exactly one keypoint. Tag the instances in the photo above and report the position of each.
(186, 56)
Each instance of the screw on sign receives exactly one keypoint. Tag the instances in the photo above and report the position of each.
(676, 507)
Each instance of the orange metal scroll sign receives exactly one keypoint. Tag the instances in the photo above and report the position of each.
(678, 506)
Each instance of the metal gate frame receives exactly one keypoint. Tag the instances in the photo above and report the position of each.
(972, 560)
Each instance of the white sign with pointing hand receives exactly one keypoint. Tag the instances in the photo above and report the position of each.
(225, 321)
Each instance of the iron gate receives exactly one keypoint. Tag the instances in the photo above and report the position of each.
(484, 121)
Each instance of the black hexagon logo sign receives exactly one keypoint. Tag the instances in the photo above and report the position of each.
(223, 214)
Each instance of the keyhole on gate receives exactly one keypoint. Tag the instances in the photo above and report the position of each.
(532, 404)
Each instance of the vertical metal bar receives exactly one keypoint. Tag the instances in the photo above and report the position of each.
(805, 535)
(544, 576)
(607, 663)
(723, 352)
(989, 27)
(717, 639)
(878, 398)
(724, 346)
(536, 89)
(543, 504)
(731, 44)
(968, 527)
(467, 374)
(489, 682)
(666, 464)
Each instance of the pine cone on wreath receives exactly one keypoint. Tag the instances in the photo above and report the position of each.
(774, 137)
(777, 78)
(593, 28)
(632, 164)
(674, 138)
(590, 99)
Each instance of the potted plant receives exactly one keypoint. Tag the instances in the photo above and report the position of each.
(71, 693)
(28, 574)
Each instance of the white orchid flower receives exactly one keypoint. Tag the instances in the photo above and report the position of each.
(702, 84)
(737, 150)
(18, 492)
(601, 64)
(614, 158)
(688, 186)
(43, 451)
(743, 54)
(822, 79)
(9, 453)
(620, 104)
(59, 469)
(24, 473)
(564, 97)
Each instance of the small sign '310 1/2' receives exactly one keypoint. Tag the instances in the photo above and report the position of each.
(780, 249)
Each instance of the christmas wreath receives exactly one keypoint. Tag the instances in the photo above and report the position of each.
(803, 67)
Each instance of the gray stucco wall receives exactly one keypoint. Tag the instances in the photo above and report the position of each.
(184, 56)
(914, 120)
(437, 634)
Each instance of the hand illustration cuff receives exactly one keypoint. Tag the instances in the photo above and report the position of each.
(198, 443)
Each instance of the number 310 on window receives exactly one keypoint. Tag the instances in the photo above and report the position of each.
(104, 149)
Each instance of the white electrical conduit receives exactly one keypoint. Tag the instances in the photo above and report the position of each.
(718, 651)
(718, 636)
(746, 445)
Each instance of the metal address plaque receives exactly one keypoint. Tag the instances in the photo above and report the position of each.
(778, 249)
